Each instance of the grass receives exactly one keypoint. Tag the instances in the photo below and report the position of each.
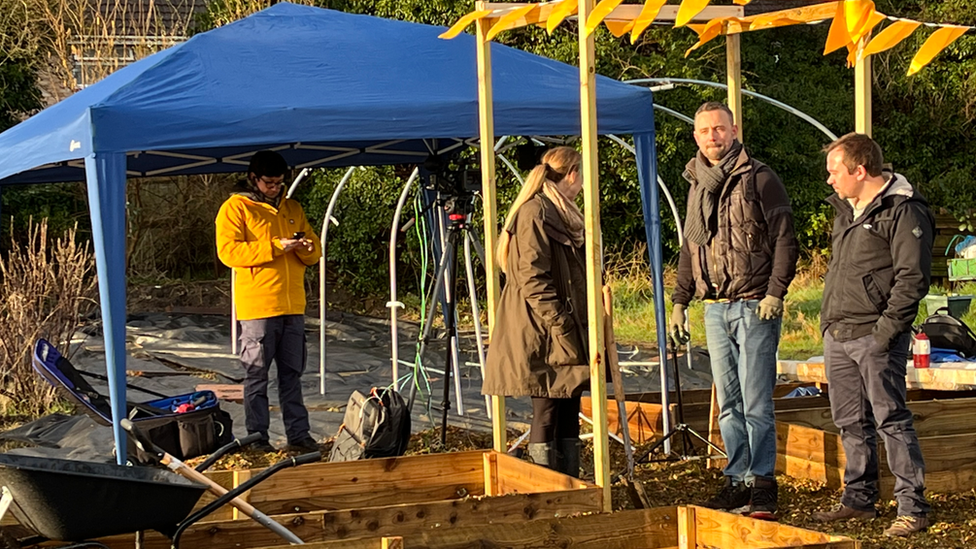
(634, 321)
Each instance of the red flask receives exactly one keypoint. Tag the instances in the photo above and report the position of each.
(921, 350)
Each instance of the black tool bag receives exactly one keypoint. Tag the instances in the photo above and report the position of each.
(185, 426)
(374, 427)
(947, 332)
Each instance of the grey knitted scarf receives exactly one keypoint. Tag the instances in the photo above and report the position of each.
(703, 203)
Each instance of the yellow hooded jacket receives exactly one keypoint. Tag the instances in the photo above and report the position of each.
(270, 282)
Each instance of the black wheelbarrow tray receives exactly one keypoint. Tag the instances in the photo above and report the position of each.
(74, 500)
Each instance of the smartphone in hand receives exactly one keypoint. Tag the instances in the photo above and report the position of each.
(298, 236)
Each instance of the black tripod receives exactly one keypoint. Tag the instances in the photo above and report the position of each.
(682, 429)
(458, 232)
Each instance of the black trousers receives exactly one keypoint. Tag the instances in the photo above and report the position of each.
(867, 395)
(280, 339)
(554, 419)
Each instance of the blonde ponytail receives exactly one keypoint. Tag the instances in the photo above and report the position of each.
(557, 162)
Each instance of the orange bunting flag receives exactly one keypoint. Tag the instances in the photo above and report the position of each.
(647, 16)
(688, 10)
(619, 28)
(560, 12)
(741, 2)
(462, 23)
(837, 36)
(857, 17)
(712, 29)
(510, 20)
(939, 41)
(891, 37)
(599, 13)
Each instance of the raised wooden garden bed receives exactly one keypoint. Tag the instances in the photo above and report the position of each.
(664, 527)
(808, 445)
(395, 496)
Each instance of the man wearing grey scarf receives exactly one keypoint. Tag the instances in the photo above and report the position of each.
(738, 256)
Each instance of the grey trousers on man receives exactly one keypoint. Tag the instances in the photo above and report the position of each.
(281, 339)
(867, 395)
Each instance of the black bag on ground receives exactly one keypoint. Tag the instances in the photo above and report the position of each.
(376, 426)
(185, 426)
(947, 332)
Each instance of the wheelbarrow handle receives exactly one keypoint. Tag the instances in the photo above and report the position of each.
(182, 469)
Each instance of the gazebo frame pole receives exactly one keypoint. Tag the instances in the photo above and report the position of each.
(486, 118)
(594, 252)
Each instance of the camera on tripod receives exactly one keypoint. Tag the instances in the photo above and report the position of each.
(456, 181)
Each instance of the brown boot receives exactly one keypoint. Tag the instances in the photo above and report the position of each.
(843, 512)
(906, 525)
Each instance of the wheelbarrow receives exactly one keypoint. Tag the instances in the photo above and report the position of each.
(73, 501)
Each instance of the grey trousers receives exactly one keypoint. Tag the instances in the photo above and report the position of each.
(867, 395)
(280, 339)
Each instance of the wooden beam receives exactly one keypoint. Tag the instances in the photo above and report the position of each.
(371, 482)
(486, 119)
(623, 12)
(519, 477)
(652, 528)
(945, 378)
(390, 520)
(718, 529)
(594, 244)
(862, 91)
(733, 75)
(687, 528)
(931, 418)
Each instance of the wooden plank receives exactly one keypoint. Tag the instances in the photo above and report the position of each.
(590, 171)
(393, 520)
(733, 78)
(714, 433)
(687, 528)
(648, 528)
(486, 132)
(809, 444)
(371, 482)
(931, 418)
(224, 391)
(944, 378)
(225, 479)
(728, 531)
(392, 543)
(519, 477)
(862, 90)
(646, 420)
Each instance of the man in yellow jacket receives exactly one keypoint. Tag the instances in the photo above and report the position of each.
(268, 242)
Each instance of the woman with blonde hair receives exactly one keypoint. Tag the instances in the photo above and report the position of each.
(538, 346)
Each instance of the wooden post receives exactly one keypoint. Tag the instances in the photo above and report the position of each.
(594, 261)
(391, 543)
(862, 91)
(240, 477)
(733, 62)
(487, 132)
(687, 530)
(491, 474)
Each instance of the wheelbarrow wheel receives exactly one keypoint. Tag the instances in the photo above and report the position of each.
(8, 540)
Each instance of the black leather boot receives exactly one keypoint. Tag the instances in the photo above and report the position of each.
(543, 453)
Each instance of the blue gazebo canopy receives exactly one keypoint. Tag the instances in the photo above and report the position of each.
(322, 87)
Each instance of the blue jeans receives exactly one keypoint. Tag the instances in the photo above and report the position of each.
(743, 355)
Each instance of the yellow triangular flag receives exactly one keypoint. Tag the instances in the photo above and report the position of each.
(599, 13)
(647, 15)
(857, 14)
(939, 41)
(619, 28)
(559, 12)
(688, 10)
(891, 37)
(711, 30)
(837, 36)
(463, 23)
(510, 20)
(741, 2)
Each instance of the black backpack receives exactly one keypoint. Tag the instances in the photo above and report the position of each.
(373, 427)
(947, 332)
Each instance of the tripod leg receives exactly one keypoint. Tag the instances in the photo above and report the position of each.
(475, 311)
(450, 310)
(434, 294)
